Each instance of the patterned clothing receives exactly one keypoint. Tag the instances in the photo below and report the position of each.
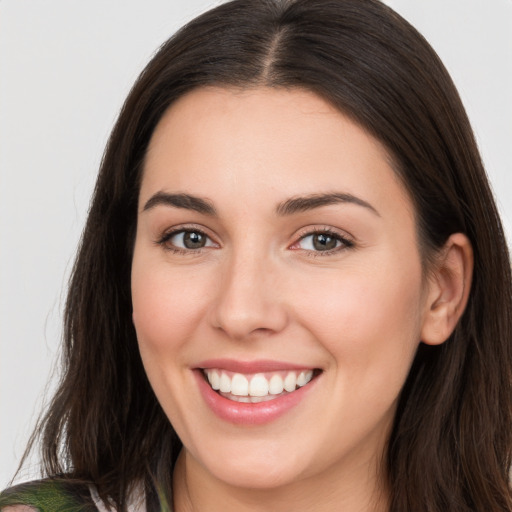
(60, 496)
(50, 496)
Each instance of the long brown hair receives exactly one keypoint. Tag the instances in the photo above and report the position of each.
(450, 447)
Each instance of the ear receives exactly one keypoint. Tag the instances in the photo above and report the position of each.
(448, 289)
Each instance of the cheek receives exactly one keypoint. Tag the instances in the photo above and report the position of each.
(167, 305)
(369, 320)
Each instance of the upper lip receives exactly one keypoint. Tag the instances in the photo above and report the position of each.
(249, 367)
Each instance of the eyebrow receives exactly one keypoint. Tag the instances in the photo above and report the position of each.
(310, 202)
(186, 201)
(289, 207)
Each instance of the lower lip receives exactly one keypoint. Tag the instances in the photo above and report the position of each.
(242, 413)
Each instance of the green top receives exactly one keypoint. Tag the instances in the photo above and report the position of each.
(49, 496)
(61, 495)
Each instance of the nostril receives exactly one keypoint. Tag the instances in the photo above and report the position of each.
(246, 305)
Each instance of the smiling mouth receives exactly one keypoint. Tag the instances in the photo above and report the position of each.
(258, 387)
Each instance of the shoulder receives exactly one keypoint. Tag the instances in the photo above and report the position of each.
(49, 495)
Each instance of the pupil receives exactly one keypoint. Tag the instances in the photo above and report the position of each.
(323, 242)
(193, 240)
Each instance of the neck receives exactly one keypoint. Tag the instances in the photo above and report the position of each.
(354, 489)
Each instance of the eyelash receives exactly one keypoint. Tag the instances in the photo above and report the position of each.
(345, 243)
(167, 236)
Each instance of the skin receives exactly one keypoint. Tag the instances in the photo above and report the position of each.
(260, 290)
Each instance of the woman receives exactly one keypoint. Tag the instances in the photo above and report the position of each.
(293, 289)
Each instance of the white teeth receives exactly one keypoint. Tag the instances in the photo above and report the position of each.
(304, 378)
(248, 399)
(258, 387)
(239, 385)
(290, 382)
(225, 383)
(276, 385)
(214, 379)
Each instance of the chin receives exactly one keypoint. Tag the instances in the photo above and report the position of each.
(266, 467)
(256, 476)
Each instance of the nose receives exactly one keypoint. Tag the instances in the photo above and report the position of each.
(248, 301)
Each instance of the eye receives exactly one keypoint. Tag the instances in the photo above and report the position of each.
(186, 240)
(322, 241)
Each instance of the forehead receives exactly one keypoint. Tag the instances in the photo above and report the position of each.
(281, 142)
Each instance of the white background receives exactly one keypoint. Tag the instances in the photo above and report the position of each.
(65, 69)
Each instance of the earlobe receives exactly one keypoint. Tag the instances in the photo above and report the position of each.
(449, 288)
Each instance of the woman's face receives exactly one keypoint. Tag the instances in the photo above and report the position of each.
(276, 253)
